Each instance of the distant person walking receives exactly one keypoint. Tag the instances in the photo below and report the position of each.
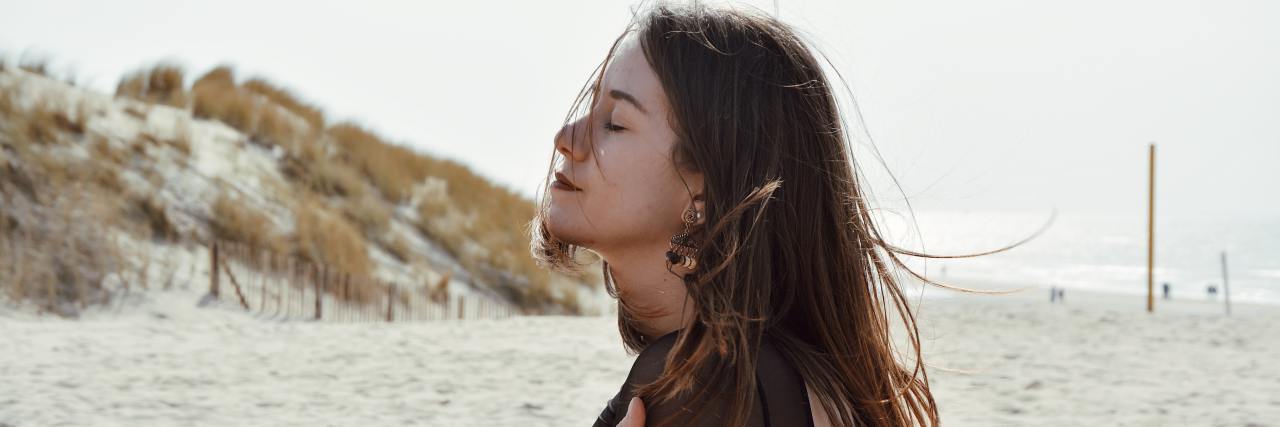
(1165, 287)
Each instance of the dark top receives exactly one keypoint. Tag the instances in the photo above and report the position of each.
(781, 397)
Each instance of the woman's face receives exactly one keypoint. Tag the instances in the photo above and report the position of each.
(630, 192)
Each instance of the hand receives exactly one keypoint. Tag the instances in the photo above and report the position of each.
(635, 414)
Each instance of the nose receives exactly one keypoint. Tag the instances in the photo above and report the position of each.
(570, 140)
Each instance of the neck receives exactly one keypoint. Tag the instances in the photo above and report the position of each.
(643, 282)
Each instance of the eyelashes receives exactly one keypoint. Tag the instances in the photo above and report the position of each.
(609, 126)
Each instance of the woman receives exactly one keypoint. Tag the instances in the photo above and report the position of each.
(709, 168)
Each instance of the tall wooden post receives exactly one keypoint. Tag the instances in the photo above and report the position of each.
(1226, 288)
(1151, 230)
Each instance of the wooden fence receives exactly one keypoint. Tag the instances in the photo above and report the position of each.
(272, 284)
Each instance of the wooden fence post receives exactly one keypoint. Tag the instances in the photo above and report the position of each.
(324, 274)
(213, 268)
(285, 298)
(262, 280)
(391, 299)
(308, 272)
(235, 285)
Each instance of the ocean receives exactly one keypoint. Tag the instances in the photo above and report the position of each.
(1096, 252)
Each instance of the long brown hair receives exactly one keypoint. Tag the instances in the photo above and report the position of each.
(791, 250)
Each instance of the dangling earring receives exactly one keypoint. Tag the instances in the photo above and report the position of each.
(684, 249)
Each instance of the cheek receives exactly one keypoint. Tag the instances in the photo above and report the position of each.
(638, 197)
(632, 197)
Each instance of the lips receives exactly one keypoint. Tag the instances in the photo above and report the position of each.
(564, 180)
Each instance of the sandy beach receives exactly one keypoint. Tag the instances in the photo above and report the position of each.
(1101, 359)
(1097, 359)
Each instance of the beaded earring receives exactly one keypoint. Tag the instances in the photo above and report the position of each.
(683, 249)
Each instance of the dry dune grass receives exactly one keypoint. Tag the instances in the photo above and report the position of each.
(273, 116)
(182, 143)
(483, 225)
(61, 192)
(349, 181)
(152, 213)
(46, 122)
(54, 209)
(480, 223)
(232, 220)
(53, 252)
(276, 127)
(370, 214)
(324, 175)
(398, 247)
(469, 213)
(215, 96)
(325, 238)
(29, 134)
(162, 84)
(285, 99)
(392, 169)
(269, 114)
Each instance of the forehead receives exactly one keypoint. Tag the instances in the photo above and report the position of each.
(630, 72)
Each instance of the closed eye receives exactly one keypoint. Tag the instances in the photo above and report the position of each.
(609, 126)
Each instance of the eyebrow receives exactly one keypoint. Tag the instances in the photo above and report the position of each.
(617, 94)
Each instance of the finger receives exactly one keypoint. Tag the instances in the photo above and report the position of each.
(635, 414)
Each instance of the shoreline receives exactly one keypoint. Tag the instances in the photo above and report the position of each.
(1178, 301)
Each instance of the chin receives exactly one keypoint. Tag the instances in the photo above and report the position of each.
(563, 228)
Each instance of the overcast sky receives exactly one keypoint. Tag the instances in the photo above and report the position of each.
(985, 105)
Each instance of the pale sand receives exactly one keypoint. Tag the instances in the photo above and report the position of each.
(1096, 360)
(1101, 359)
